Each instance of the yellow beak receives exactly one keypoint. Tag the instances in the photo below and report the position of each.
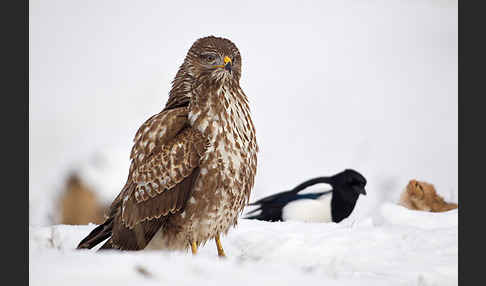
(226, 65)
(226, 60)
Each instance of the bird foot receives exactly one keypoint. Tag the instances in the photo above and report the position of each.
(219, 247)
(194, 248)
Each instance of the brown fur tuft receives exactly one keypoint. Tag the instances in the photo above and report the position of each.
(423, 196)
(79, 204)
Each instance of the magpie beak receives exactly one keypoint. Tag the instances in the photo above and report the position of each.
(359, 190)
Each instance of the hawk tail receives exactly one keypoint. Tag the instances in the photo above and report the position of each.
(97, 235)
(108, 245)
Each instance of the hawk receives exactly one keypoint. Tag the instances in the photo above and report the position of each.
(192, 165)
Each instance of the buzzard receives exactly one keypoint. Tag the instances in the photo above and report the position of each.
(192, 165)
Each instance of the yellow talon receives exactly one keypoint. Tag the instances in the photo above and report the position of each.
(194, 248)
(220, 247)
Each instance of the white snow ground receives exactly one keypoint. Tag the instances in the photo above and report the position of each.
(370, 85)
(395, 246)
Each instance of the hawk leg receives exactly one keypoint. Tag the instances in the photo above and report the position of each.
(220, 247)
(194, 247)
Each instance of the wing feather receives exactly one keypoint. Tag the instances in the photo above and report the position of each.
(165, 164)
(162, 175)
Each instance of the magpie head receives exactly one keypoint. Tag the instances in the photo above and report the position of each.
(349, 183)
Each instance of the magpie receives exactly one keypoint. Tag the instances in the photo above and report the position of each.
(326, 206)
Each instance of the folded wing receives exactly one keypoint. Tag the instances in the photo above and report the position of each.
(165, 164)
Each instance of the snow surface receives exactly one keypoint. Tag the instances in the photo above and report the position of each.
(396, 246)
(368, 85)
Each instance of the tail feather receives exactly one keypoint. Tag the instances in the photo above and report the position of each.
(108, 245)
(268, 213)
(97, 235)
(292, 192)
(254, 211)
(271, 207)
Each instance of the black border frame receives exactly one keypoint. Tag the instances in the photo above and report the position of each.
(15, 99)
(16, 136)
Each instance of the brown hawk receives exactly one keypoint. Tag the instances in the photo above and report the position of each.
(192, 165)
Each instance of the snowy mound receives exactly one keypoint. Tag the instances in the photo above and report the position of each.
(106, 172)
(396, 247)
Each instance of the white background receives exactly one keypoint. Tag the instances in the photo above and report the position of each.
(368, 85)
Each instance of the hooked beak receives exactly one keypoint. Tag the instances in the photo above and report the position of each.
(360, 190)
(227, 64)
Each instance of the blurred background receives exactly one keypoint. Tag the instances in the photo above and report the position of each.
(368, 85)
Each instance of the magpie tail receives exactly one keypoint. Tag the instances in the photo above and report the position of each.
(271, 207)
(255, 216)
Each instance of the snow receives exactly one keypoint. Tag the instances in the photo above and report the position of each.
(367, 85)
(106, 172)
(392, 247)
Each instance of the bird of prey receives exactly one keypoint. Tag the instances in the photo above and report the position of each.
(192, 165)
(326, 206)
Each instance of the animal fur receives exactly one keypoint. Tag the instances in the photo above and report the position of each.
(422, 196)
(79, 204)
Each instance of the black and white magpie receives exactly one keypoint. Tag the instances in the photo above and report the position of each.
(332, 205)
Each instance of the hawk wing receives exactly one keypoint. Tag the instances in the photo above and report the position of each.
(165, 163)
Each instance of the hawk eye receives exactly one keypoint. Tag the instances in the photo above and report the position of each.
(208, 57)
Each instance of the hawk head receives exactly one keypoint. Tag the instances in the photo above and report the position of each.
(213, 59)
